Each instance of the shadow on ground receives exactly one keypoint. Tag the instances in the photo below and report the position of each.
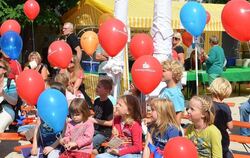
(6, 147)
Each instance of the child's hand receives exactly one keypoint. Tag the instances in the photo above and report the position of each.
(115, 132)
(70, 145)
(47, 150)
(92, 119)
(62, 141)
(113, 151)
(33, 151)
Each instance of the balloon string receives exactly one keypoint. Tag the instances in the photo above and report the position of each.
(91, 66)
(33, 36)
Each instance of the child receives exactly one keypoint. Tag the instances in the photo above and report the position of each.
(45, 140)
(64, 79)
(79, 132)
(103, 117)
(220, 89)
(163, 126)
(172, 74)
(202, 132)
(127, 129)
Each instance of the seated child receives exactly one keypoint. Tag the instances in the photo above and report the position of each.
(103, 117)
(205, 135)
(79, 131)
(127, 130)
(164, 126)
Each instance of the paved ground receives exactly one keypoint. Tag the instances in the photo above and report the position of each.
(6, 148)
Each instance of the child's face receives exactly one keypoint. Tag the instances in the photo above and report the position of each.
(100, 90)
(154, 113)
(194, 111)
(166, 75)
(121, 108)
(77, 117)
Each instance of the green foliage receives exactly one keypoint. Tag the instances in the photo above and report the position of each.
(50, 11)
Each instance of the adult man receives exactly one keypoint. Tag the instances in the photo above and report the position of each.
(214, 60)
(72, 39)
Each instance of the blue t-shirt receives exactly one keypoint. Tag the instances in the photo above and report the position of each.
(47, 135)
(175, 96)
(160, 141)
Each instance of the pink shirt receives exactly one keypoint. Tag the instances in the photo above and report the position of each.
(81, 133)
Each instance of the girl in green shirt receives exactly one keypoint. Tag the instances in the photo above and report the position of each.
(202, 132)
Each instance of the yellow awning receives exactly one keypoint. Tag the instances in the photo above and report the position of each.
(140, 13)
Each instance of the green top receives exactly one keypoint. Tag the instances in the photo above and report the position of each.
(207, 141)
(215, 60)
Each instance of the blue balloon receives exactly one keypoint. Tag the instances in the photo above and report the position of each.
(52, 108)
(193, 18)
(11, 44)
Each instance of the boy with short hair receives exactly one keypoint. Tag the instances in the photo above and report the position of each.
(172, 74)
(103, 117)
(220, 89)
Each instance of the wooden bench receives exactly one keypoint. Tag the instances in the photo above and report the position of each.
(241, 156)
(11, 136)
(230, 104)
(241, 139)
(20, 147)
(241, 124)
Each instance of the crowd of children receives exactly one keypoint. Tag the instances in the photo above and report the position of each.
(120, 126)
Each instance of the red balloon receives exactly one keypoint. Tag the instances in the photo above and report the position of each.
(10, 25)
(31, 9)
(59, 54)
(208, 17)
(180, 147)
(187, 38)
(146, 73)
(235, 19)
(141, 44)
(113, 36)
(30, 85)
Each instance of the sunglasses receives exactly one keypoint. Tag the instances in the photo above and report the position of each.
(175, 38)
(2, 67)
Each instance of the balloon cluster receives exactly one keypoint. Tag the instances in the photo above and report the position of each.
(11, 43)
(52, 104)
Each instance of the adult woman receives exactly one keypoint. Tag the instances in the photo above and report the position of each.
(75, 74)
(177, 42)
(8, 97)
(35, 63)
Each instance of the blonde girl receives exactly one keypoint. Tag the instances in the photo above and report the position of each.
(164, 126)
(127, 127)
(202, 132)
(79, 132)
